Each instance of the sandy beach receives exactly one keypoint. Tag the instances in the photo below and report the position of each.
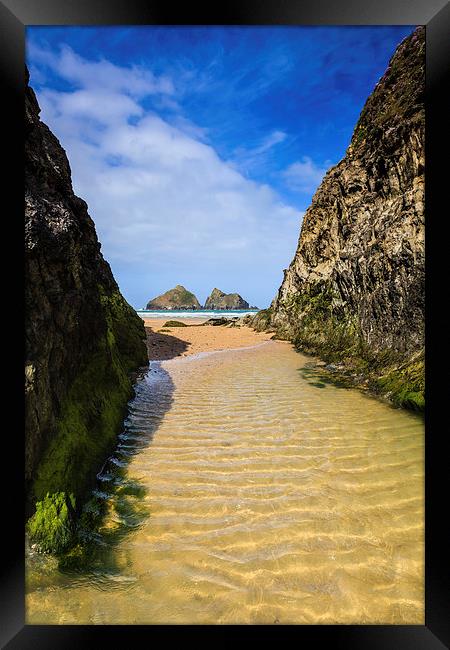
(184, 341)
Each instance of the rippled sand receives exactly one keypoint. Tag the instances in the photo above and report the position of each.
(252, 492)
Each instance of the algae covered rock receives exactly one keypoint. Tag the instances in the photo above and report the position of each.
(51, 527)
(82, 340)
(174, 323)
(261, 321)
(220, 300)
(354, 292)
(176, 298)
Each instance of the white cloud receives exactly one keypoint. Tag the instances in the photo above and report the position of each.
(305, 175)
(271, 140)
(160, 196)
(256, 158)
(135, 80)
(92, 104)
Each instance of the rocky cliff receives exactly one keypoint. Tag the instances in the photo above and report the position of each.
(354, 292)
(220, 300)
(177, 298)
(82, 341)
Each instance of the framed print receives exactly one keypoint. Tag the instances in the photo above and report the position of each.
(232, 261)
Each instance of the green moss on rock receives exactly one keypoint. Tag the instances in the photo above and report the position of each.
(127, 329)
(52, 525)
(405, 385)
(91, 414)
(262, 320)
(318, 324)
(174, 323)
(87, 426)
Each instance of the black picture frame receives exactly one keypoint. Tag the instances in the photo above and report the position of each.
(15, 15)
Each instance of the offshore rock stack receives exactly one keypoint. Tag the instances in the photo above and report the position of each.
(176, 298)
(220, 300)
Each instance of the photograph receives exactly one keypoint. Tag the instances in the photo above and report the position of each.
(225, 324)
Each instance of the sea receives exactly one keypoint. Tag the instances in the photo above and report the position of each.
(194, 313)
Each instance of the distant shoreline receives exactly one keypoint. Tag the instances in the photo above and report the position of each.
(194, 313)
(211, 311)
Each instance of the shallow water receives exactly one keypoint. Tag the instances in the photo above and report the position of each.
(247, 490)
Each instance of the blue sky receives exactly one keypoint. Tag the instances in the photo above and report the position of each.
(198, 149)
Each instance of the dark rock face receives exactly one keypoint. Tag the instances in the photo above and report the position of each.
(82, 338)
(354, 292)
(177, 298)
(220, 300)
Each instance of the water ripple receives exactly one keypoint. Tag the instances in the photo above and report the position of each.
(240, 493)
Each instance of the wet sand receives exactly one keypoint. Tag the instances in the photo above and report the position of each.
(185, 341)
